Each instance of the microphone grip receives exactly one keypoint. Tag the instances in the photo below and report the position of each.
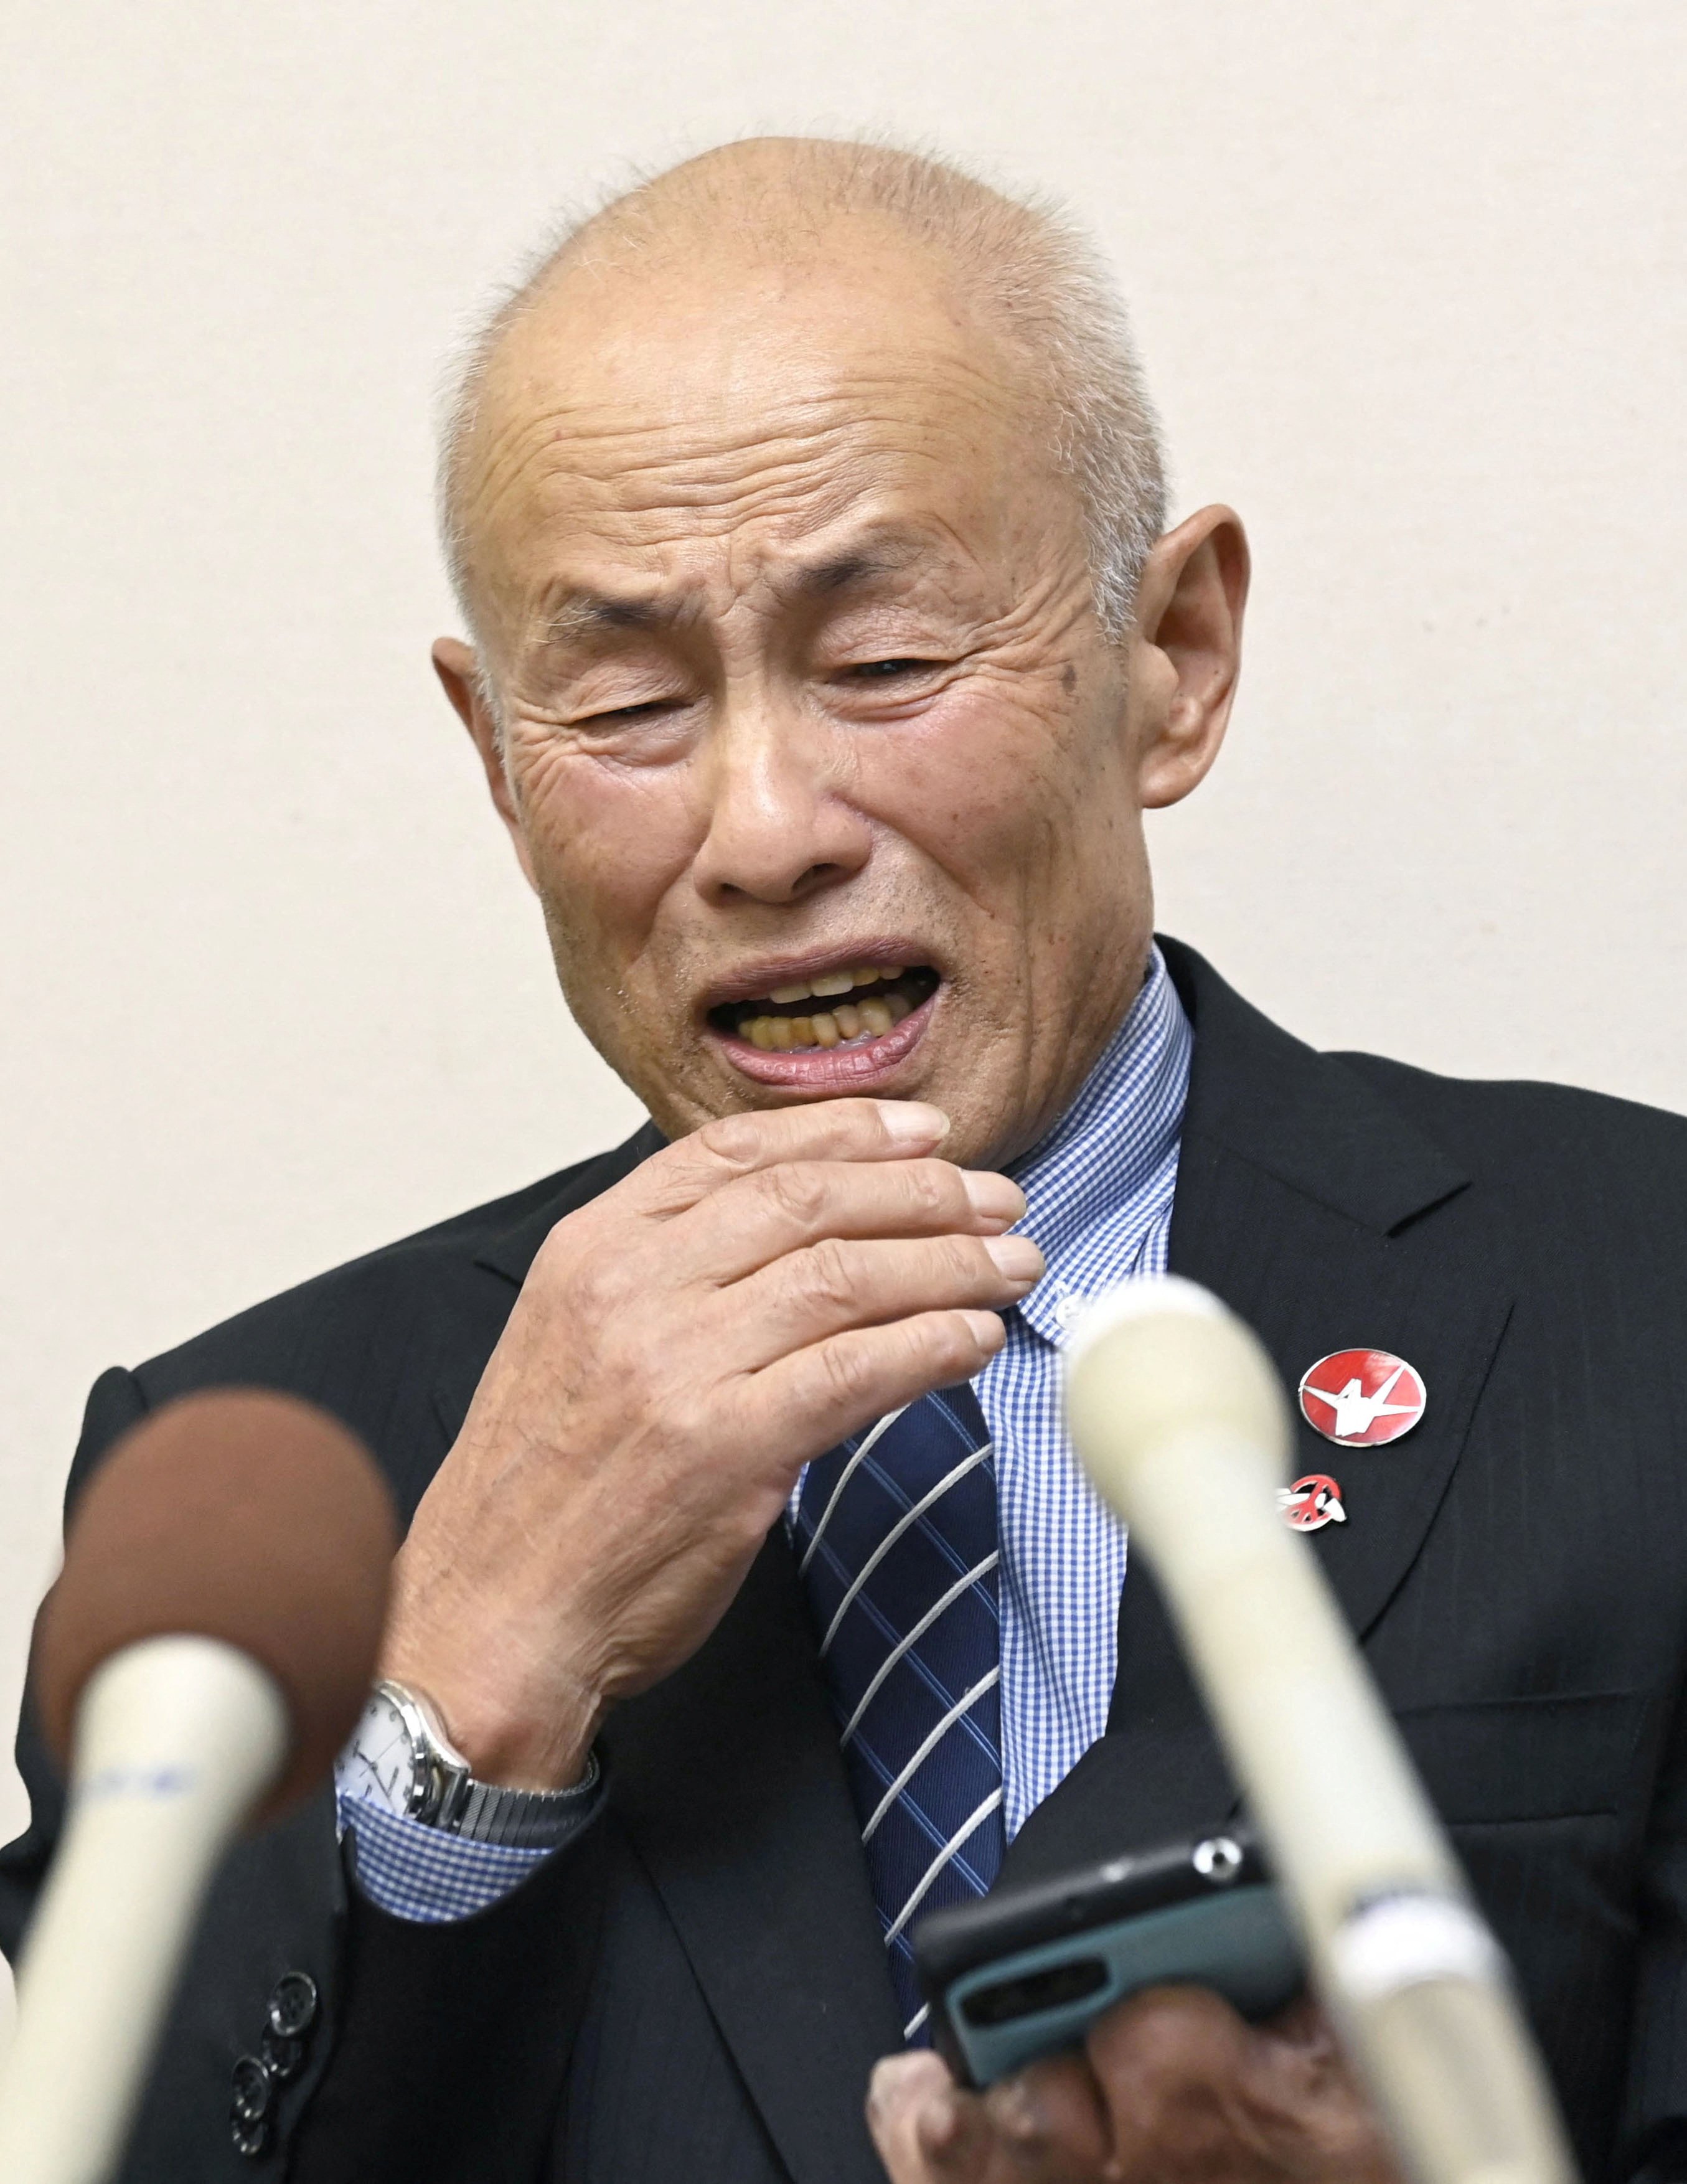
(1415, 1982)
(176, 1740)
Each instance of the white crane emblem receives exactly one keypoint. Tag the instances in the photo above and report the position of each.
(1361, 1398)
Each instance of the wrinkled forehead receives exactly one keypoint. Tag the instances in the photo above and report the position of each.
(654, 410)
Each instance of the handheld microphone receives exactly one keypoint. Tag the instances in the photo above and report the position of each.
(1176, 1412)
(201, 1659)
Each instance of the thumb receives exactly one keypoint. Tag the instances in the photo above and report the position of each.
(925, 2129)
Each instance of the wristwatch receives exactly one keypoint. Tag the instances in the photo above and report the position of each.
(399, 1756)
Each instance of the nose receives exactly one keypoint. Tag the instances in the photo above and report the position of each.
(781, 827)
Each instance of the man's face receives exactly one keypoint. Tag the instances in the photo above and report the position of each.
(825, 775)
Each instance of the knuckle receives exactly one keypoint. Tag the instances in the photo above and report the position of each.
(964, 1262)
(1172, 2036)
(924, 1344)
(594, 1282)
(847, 1370)
(797, 1189)
(734, 1140)
(958, 1345)
(824, 1275)
(930, 1188)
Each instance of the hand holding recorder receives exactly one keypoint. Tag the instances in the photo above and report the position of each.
(1171, 2085)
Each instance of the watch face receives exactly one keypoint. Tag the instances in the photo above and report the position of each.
(381, 1762)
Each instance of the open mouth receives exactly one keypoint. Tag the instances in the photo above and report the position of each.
(848, 1007)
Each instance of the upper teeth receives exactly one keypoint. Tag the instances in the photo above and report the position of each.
(869, 1018)
(837, 982)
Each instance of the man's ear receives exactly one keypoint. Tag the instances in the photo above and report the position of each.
(1187, 651)
(457, 668)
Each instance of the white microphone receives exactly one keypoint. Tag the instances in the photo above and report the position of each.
(1176, 1412)
(202, 1657)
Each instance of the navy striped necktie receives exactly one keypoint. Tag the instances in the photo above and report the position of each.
(896, 1537)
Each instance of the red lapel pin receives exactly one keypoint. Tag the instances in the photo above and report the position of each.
(1311, 1502)
(1363, 1398)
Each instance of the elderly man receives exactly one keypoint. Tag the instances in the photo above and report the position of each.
(806, 512)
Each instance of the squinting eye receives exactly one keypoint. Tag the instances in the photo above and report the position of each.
(651, 710)
(879, 671)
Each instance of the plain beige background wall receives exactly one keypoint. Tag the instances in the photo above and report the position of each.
(1409, 278)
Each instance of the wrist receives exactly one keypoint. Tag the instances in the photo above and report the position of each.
(511, 1740)
(517, 1751)
(524, 1716)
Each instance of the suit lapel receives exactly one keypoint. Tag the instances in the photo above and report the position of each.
(1320, 1284)
(1322, 1215)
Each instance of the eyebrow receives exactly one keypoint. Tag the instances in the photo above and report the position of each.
(862, 566)
(584, 613)
(580, 614)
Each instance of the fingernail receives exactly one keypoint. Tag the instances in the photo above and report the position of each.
(994, 1197)
(912, 1123)
(1017, 1257)
(1019, 2113)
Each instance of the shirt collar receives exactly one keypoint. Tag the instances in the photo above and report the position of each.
(1104, 1171)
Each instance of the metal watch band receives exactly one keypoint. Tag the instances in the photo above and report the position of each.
(525, 1819)
(447, 1796)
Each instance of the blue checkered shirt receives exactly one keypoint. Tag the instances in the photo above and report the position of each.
(1099, 1193)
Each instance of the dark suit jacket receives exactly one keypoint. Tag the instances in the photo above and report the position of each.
(696, 1990)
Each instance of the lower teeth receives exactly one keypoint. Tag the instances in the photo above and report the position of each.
(868, 1019)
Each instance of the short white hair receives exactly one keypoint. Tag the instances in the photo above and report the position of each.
(1033, 274)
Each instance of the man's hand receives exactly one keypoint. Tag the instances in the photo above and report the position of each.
(1171, 2087)
(681, 1346)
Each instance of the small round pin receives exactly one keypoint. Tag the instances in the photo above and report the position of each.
(1363, 1398)
(1311, 1502)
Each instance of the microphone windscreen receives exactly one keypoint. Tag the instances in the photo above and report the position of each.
(238, 1514)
